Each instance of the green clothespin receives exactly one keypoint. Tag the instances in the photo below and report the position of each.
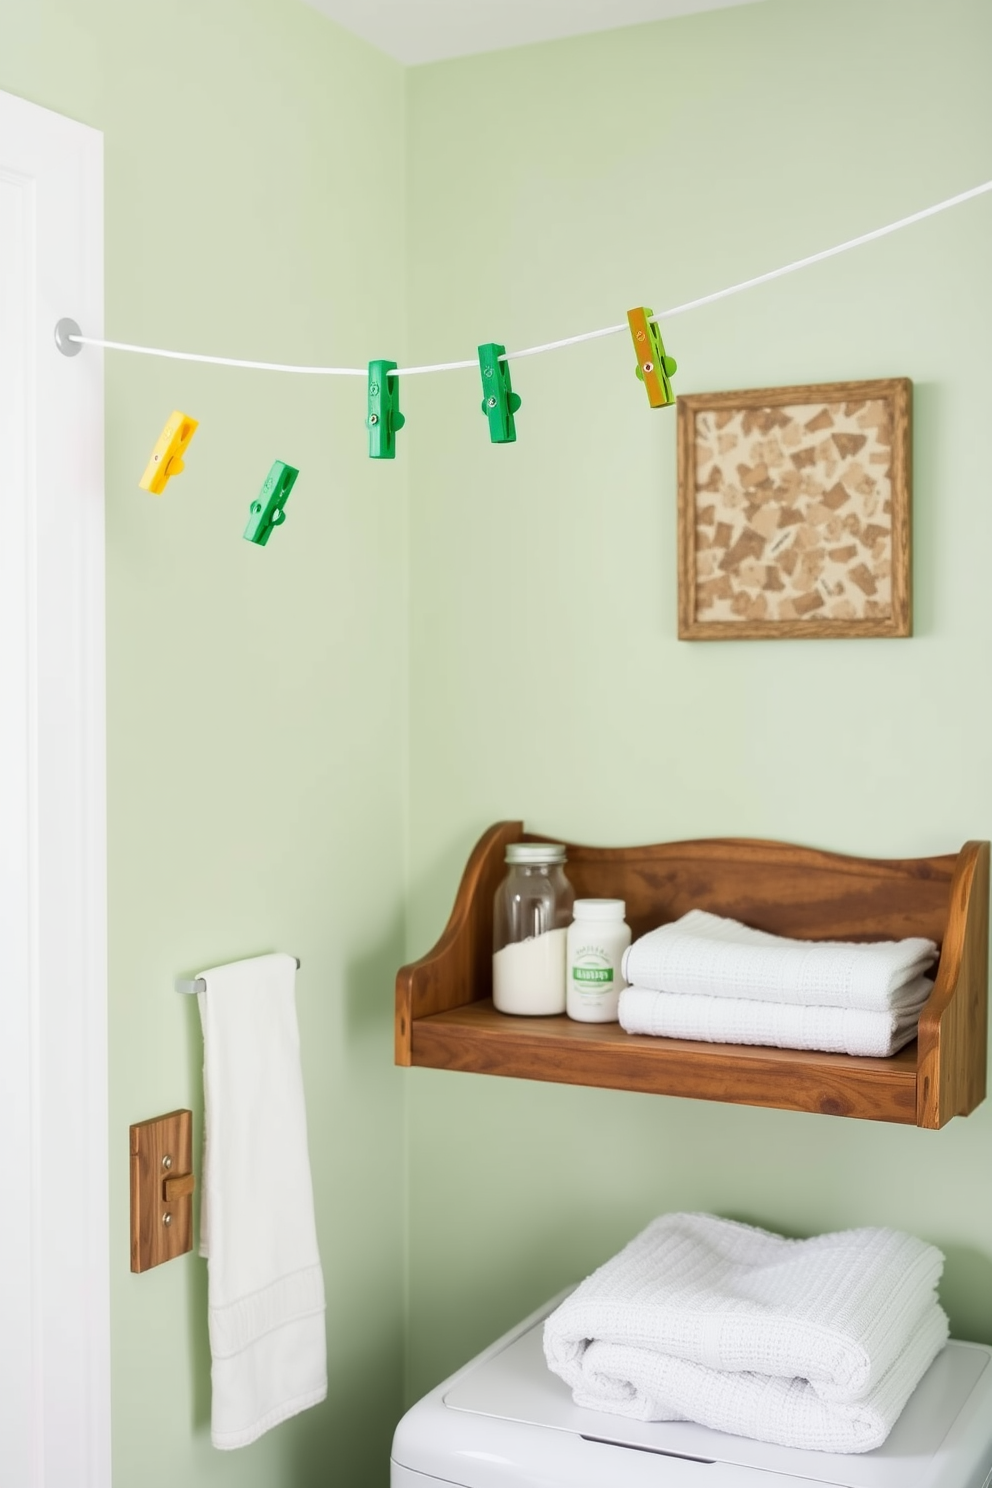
(384, 411)
(268, 510)
(499, 401)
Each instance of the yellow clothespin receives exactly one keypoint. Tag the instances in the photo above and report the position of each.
(167, 455)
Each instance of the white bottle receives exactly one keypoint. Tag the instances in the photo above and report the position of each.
(597, 939)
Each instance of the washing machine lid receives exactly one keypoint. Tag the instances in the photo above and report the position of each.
(514, 1384)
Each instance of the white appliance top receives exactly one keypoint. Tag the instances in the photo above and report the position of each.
(505, 1421)
(517, 1385)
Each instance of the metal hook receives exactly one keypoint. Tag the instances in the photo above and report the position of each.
(65, 330)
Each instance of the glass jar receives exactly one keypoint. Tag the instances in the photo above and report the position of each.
(531, 915)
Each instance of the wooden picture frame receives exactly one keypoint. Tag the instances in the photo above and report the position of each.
(794, 508)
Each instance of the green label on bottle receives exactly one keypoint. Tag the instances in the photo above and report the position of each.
(592, 974)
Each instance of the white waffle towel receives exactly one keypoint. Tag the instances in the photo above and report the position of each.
(815, 1344)
(265, 1288)
(727, 1020)
(704, 954)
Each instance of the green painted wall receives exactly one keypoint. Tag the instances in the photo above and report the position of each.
(281, 719)
(257, 703)
(551, 188)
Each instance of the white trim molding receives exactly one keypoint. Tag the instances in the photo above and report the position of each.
(54, 1254)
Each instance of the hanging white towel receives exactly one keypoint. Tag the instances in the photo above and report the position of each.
(727, 1020)
(816, 1344)
(265, 1285)
(705, 954)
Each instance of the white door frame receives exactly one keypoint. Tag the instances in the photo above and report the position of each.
(54, 1247)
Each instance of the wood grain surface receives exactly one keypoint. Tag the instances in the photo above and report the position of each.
(953, 1031)
(161, 1212)
(478, 1038)
(445, 1018)
(460, 967)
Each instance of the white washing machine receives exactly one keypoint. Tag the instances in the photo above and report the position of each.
(505, 1421)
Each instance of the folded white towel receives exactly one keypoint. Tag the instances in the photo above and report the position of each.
(706, 954)
(727, 1020)
(808, 1343)
(265, 1285)
(787, 1412)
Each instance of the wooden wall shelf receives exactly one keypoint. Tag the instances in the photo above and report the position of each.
(445, 1018)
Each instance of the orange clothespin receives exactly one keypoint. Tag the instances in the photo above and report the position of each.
(654, 368)
(166, 459)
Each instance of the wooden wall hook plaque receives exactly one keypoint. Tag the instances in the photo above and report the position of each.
(162, 1184)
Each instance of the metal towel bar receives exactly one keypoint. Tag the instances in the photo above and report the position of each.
(199, 984)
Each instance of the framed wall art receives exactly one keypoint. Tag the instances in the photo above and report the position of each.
(794, 512)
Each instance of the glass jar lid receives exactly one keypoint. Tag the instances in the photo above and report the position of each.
(535, 852)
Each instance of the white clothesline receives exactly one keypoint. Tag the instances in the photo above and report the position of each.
(663, 315)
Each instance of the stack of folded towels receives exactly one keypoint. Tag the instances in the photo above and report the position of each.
(705, 977)
(816, 1344)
